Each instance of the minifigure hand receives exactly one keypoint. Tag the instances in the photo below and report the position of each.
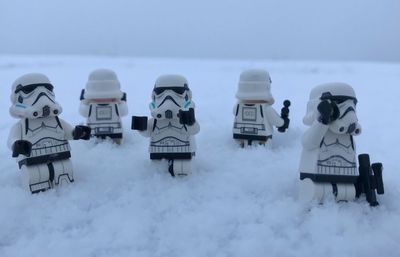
(81, 132)
(187, 117)
(21, 147)
(328, 112)
(139, 123)
(285, 125)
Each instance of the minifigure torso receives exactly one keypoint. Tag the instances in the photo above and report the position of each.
(104, 119)
(337, 155)
(250, 123)
(49, 142)
(170, 138)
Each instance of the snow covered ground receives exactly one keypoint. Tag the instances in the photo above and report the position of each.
(238, 202)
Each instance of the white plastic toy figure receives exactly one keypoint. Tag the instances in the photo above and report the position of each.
(173, 126)
(39, 139)
(254, 115)
(103, 104)
(328, 162)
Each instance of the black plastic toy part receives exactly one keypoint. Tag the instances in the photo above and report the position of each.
(21, 147)
(139, 123)
(82, 96)
(187, 117)
(328, 111)
(81, 132)
(285, 116)
(370, 179)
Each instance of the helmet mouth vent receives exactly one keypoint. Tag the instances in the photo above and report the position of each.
(46, 111)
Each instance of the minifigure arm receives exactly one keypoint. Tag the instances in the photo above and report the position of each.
(313, 136)
(122, 108)
(235, 109)
(14, 135)
(194, 129)
(149, 130)
(84, 109)
(273, 117)
(68, 129)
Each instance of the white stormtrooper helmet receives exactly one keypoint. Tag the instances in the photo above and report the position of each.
(32, 97)
(344, 97)
(171, 93)
(102, 84)
(255, 84)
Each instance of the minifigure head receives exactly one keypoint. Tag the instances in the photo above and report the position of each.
(32, 97)
(255, 86)
(171, 93)
(343, 98)
(102, 86)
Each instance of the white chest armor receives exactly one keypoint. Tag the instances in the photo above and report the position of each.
(170, 140)
(104, 120)
(337, 156)
(250, 124)
(48, 141)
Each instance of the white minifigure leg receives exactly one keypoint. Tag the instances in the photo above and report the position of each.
(345, 192)
(36, 178)
(63, 173)
(245, 143)
(182, 167)
(117, 141)
(311, 191)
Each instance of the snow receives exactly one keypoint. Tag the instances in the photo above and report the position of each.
(237, 202)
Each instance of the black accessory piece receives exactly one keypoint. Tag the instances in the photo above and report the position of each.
(370, 179)
(187, 117)
(21, 147)
(285, 116)
(81, 132)
(139, 123)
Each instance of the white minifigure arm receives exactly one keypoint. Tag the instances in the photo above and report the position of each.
(122, 108)
(15, 134)
(149, 130)
(194, 129)
(84, 109)
(313, 136)
(235, 108)
(68, 129)
(273, 117)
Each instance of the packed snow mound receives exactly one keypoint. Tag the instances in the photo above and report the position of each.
(238, 202)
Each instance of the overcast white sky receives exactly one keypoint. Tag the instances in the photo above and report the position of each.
(251, 29)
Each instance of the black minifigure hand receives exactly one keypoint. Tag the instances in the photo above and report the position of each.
(21, 147)
(81, 132)
(285, 125)
(139, 123)
(187, 117)
(328, 111)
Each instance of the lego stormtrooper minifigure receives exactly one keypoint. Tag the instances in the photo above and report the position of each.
(103, 104)
(328, 161)
(173, 126)
(39, 139)
(254, 115)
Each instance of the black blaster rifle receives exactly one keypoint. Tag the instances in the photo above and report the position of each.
(369, 180)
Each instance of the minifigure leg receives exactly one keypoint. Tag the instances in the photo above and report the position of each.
(311, 191)
(182, 167)
(36, 178)
(117, 141)
(63, 173)
(243, 143)
(346, 192)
